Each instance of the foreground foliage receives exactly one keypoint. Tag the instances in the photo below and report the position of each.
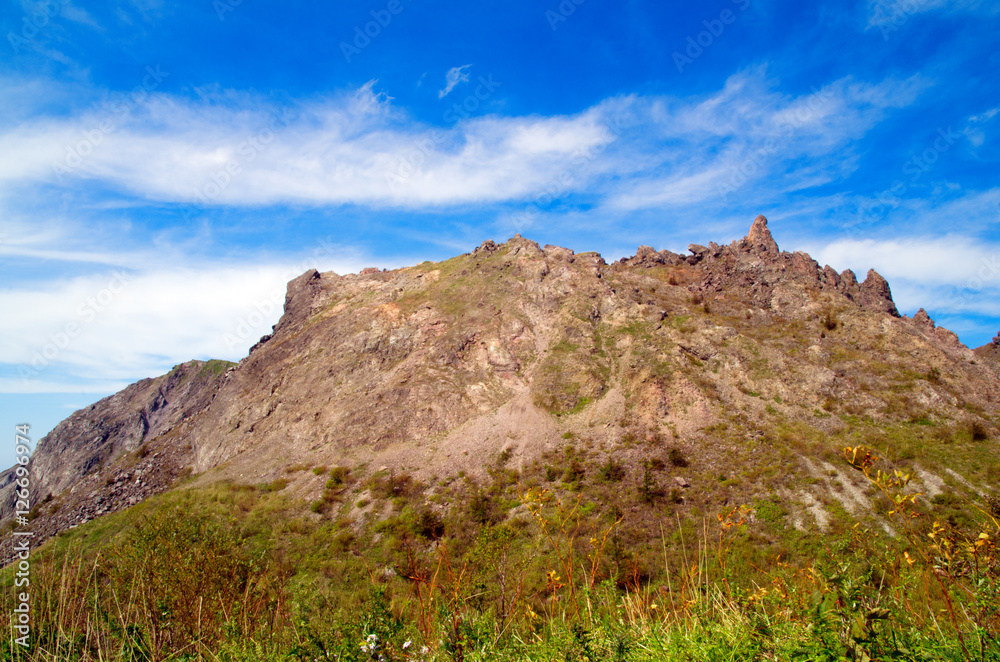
(228, 573)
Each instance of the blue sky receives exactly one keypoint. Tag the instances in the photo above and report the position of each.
(165, 168)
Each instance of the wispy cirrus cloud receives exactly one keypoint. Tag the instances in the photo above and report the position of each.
(453, 78)
(631, 152)
(895, 13)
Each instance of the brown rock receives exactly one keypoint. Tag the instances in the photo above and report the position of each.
(923, 319)
(831, 275)
(299, 300)
(805, 265)
(558, 253)
(760, 237)
(876, 294)
(648, 257)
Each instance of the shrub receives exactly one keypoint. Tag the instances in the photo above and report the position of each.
(978, 431)
(677, 458)
(656, 464)
(428, 524)
(649, 489)
(391, 486)
(993, 501)
(612, 471)
(190, 579)
(320, 470)
(338, 476)
(277, 485)
(573, 472)
(484, 508)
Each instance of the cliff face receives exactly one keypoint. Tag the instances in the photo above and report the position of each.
(436, 368)
(96, 438)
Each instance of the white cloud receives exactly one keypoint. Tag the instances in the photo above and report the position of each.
(747, 132)
(454, 76)
(96, 333)
(358, 149)
(951, 274)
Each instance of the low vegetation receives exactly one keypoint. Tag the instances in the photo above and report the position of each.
(532, 567)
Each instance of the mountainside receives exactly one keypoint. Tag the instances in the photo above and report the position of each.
(753, 365)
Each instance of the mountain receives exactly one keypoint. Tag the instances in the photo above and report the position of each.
(743, 367)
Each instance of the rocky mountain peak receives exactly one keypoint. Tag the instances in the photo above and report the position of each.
(924, 319)
(760, 237)
(876, 294)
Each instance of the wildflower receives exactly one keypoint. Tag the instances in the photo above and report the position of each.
(370, 645)
(407, 644)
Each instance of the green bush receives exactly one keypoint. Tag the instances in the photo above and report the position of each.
(677, 458)
(612, 471)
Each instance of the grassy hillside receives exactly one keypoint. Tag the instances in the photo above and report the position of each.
(580, 562)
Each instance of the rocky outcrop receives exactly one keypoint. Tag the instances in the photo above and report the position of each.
(438, 367)
(991, 350)
(924, 320)
(96, 437)
(876, 295)
(759, 237)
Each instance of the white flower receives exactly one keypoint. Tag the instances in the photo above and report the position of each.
(406, 644)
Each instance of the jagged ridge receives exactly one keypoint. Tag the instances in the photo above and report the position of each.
(436, 367)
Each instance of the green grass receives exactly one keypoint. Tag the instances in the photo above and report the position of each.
(579, 564)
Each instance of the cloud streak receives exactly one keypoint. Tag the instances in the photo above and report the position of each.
(241, 151)
(454, 76)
